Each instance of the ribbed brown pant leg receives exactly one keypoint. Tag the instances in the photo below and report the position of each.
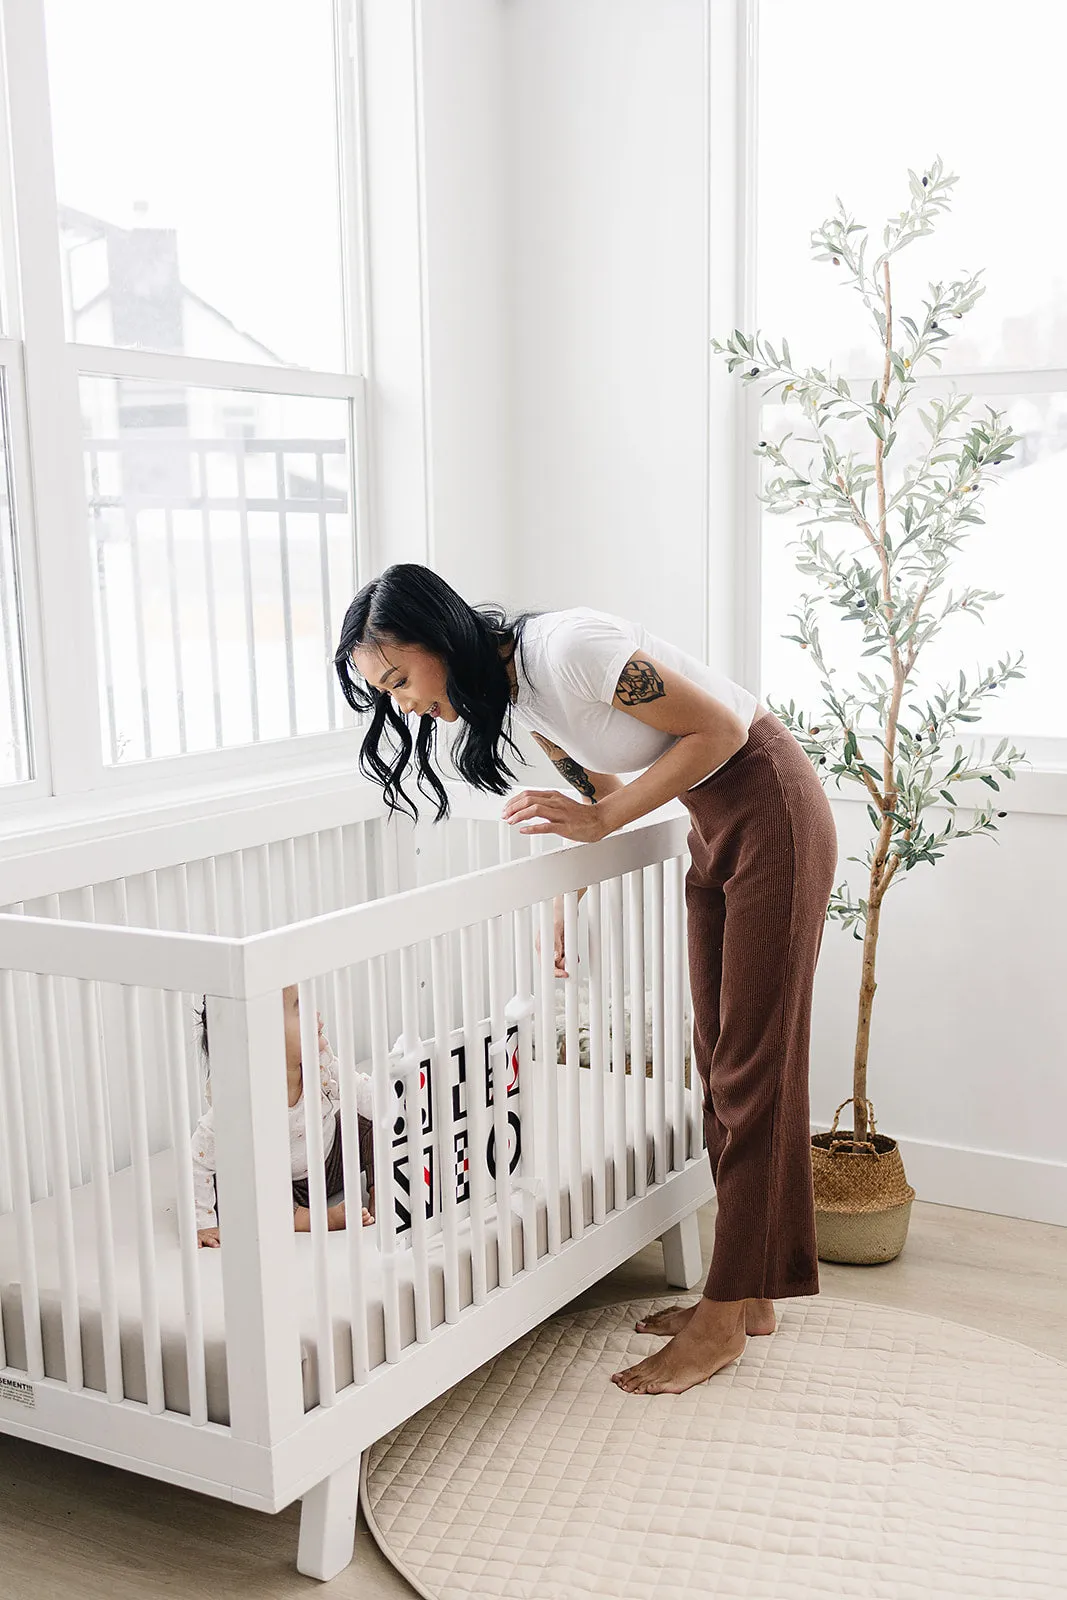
(705, 918)
(767, 833)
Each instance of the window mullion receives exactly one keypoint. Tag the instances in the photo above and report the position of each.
(53, 414)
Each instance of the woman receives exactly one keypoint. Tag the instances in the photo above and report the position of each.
(602, 696)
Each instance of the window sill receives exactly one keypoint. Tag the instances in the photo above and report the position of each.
(102, 813)
(1038, 791)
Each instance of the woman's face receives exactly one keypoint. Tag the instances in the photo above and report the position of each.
(415, 678)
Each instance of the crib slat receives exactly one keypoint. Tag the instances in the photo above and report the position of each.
(659, 1083)
(19, 1168)
(292, 912)
(576, 1182)
(597, 1064)
(521, 1011)
(75, 1109)
(186, 1209)
(105, 1238)
(28, 1065)
(350, 1152)
(355, 889)
(548, 1077)
(263, 887)
(669, 1018)
(410, 1049)
(638, 1063)
(7, 1201)
(179, 882)
(146, 1255)
(240, 899)
(444, 1122)
(383, 1153)
(211, 896)
(60, 1176)
(310, 1072)
(341, 986)
(498, 1058)
(615, 926)
(477, 1117)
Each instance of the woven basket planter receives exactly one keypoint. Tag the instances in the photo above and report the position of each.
(862, 1197)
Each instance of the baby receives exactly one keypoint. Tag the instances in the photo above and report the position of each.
(203, 1144)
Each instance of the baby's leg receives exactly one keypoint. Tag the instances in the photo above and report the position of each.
(366, 1161)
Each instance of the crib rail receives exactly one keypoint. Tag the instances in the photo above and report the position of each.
(513, 1112)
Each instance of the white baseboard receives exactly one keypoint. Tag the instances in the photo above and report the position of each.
(984, 1180)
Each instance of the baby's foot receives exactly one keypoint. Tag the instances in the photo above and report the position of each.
(368, 1220)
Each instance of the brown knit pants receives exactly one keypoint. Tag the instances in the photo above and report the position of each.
(764, 853)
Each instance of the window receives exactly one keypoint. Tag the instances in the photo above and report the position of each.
(191, 313)
(846, 105)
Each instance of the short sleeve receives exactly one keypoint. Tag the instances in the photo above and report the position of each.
(587, 651)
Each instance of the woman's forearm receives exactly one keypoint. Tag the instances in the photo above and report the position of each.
(690, 758)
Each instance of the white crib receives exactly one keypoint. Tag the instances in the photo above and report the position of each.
(259, 1372)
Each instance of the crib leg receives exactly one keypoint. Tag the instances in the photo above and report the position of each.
(683, 1265)
(328, 1524)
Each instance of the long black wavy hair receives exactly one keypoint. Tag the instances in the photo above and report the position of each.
(408, 604)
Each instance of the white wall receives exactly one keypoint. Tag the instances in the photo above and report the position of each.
(969, 1031)
(606, 123)
(439, 268)
(467, 253)
(564, 311)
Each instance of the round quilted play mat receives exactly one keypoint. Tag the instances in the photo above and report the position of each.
(859, 1451)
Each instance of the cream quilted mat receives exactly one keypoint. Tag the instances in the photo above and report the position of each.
(859, 1451)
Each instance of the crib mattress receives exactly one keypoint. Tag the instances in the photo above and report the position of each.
(169, 1282)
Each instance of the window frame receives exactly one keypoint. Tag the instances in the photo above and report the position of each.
(1042, 783)
(44, 370)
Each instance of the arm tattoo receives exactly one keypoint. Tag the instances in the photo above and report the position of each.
(639, 683)
(570, 768)
(576, 775)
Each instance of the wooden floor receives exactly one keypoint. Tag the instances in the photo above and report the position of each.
(74, 1529)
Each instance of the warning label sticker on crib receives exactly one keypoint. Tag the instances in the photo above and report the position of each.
(20, 1393)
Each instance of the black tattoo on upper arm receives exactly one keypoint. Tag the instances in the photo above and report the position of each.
(639, 682)
(571, 770)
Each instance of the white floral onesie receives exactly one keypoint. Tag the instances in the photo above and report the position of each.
(203, 1142)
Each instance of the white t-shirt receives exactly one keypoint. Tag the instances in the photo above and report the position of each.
(567, 674)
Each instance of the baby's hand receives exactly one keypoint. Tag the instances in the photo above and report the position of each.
(207, 1238)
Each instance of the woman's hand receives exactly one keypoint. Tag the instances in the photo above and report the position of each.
(207, 1238)
(568, 818)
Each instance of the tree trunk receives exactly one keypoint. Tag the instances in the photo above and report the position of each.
(863, 1026)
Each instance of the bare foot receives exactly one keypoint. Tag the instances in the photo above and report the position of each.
(368, 1220)
(713, 1337)
(665, 1324)
(759, 1318)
